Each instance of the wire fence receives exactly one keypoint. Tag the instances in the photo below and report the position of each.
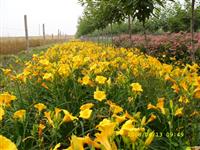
(14, 40)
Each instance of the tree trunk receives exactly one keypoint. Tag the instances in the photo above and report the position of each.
(129, 27)
(107, 36)
(102, 34)
(145, 35)
(111, 29)
(98, 36)
(192, 32)
(119, 33)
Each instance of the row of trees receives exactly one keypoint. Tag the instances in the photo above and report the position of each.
(174, 17)
(99, 14)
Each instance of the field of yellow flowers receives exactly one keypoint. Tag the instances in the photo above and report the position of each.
(80, 95)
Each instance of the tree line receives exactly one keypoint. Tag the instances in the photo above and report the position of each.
(141, 15)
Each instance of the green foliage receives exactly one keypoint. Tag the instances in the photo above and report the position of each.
(99, 14)
(173, 17)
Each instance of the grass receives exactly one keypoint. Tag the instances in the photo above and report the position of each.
(14, 45)
(10, 59)
(16, 61)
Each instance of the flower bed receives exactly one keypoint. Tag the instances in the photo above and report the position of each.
(81, 95)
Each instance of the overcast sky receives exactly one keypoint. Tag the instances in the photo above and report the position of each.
(55, 14)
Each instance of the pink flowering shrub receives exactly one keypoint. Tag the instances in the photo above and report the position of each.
(168, 45)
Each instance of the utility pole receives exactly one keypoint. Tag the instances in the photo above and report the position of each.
(43, 27)
(58, 34)
(39, 29)
(26, 32)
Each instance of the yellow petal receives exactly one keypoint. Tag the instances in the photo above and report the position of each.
(20, 114)
(57, 146)
(179, 112)
(99, 95)
(85, 114)
(150, 138)
(6, 144)
(2, 112)
(136, 87)
(68, 116)
(40, 106)
(86, 106)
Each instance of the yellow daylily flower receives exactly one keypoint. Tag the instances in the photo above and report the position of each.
(57, 146)
(40, 106)
(85, 114)
(128, 116)
(179, 112)
(183, 99)
(86, 80)
(160, 105)
(152, 118)
(119, 119)
(44, 62)
(77, 143)
(197, 93)
(90, 142)
(134, 135)
(6, 71)
(150, 106)
(99, 95)
(57, 111)
(107, 126)
(102, 138)
(143, 121)
(126, 127)
(184, 85)
(109, 81)
(100, 79)
(2, 113)
(6, 98)
(136, 87)
(68, 116)
(48, 76)
(41, 127)
(150, 138)
(6, 144)
(175, 87)
(20, 114)
(44, 85)
(114, 108)
(86, 106)
(48, 116)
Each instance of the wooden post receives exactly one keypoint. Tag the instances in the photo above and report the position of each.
(39, 30)
(58, 34)
(43, 27)
(26, 32)
(52, 36)
(65, 37)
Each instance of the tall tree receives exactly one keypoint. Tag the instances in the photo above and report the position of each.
(105, 12)
(190, 4)
(141, 9)
(192, 30)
